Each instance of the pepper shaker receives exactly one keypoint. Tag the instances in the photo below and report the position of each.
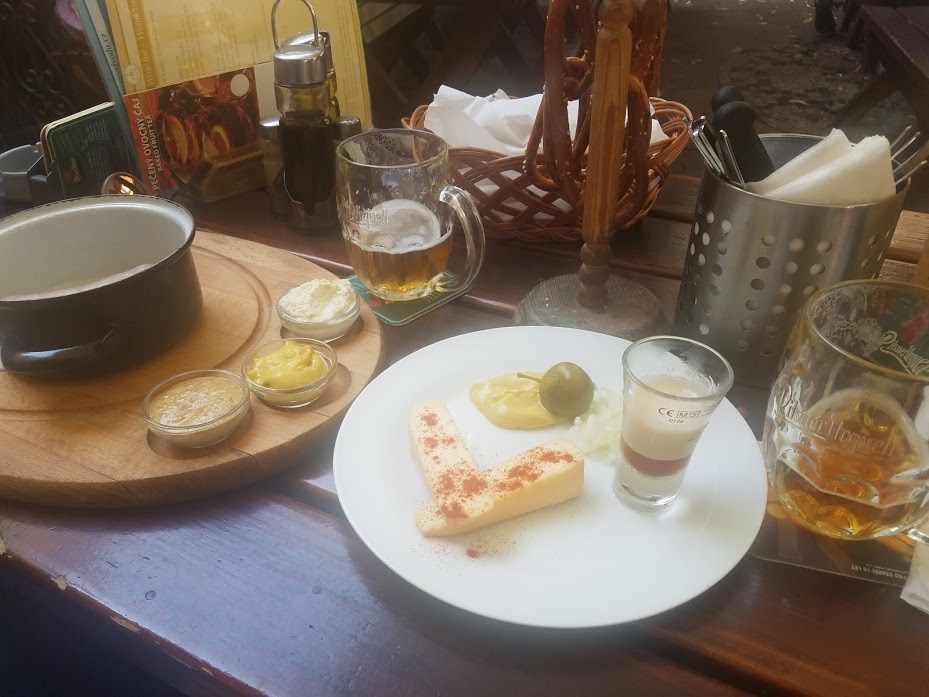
(346, 127)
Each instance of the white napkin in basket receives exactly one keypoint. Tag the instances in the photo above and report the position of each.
(495, 123)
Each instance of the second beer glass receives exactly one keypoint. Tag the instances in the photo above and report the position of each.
(846, 439)
(395, 207)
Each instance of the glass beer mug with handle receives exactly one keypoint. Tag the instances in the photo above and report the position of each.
(394, 199)
(846, 438)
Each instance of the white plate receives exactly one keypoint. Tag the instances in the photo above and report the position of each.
(585, 563)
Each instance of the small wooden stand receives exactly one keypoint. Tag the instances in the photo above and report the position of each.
(630, 310)
(600, 301)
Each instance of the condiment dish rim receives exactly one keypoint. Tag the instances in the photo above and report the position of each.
(177, 379)
(353, 310)
(328, 353)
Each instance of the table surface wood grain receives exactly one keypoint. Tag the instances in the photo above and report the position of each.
(268, 591)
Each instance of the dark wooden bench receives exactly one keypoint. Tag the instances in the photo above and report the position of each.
(898, 38)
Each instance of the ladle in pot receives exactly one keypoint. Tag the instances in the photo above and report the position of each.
(122, 184)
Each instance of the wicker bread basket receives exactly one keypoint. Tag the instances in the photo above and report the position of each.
(539, 196)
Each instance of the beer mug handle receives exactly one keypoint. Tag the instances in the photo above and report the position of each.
(473, 228)
(918, 535)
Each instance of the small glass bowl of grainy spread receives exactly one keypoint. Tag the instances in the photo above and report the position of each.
(197, 408)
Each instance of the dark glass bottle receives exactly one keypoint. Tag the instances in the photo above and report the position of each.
(306, 143)
(301, 88)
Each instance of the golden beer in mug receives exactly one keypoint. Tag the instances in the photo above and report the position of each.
(403, 269)
(397, 210)
(847, 431)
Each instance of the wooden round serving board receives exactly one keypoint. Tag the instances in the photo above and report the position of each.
(86, 443)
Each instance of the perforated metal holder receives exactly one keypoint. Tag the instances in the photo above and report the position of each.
(753, 261)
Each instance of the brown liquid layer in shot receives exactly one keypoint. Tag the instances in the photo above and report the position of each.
(651, 466)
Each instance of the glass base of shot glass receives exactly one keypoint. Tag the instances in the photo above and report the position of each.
(643, 492)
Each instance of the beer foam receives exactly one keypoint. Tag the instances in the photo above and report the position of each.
(861, 337)
(842, 316)
(399, 225)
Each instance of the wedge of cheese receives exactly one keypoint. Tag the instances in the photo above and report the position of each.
(456, 482)
(543, 476)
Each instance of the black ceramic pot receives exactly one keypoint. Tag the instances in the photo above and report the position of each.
(95, 284)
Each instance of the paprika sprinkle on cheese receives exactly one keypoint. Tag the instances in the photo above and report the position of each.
(549, 456)
(473, 485)
(508, 485)
(525, 472)
(456, 486)
(454, 510)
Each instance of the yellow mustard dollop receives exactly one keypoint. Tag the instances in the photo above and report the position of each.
(292, 365)
(510, 401)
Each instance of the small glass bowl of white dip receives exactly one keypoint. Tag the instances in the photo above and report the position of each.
(320, 309)
(197, 408)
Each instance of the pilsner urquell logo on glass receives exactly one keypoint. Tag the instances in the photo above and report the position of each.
(836, 429)
(904, 343)
(908, 359)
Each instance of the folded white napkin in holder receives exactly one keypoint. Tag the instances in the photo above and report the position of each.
(836, 176)
(825, 151)
(916, 590)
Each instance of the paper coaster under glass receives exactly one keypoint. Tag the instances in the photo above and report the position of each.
(400, 312)
(632, 311)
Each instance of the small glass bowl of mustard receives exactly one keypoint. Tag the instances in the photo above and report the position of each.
(290, 373)
(197, 408)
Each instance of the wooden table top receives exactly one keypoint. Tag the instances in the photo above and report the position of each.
(268, 591)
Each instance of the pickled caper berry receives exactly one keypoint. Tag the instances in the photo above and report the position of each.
(566, 390)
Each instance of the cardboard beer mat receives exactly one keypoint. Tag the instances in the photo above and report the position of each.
(885, 560)
(396, 313)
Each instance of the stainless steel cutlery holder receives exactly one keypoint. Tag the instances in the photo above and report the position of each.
(752, 262)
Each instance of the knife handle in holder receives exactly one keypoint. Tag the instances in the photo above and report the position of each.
(738, 120)
(724, 95)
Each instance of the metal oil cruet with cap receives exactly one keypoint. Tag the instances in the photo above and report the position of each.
(321, 39)
(301, 90)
